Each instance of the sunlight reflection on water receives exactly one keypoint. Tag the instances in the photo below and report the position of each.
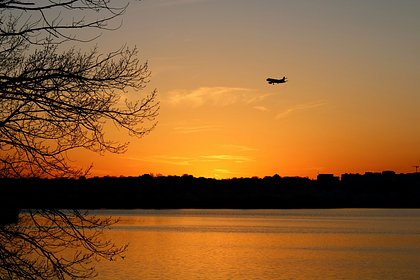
(266, 244)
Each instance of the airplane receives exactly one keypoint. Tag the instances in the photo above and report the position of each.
(272, 81)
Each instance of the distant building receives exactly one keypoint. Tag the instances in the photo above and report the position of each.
(352, 179)
(327, 180)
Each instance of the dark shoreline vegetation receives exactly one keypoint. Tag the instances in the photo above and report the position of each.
(371, 190)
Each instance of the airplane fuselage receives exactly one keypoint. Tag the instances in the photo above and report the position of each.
(273, 81)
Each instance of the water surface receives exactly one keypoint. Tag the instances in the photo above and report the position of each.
(266, 244)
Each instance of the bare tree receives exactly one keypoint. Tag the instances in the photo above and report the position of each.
(53, 101)
(55, 98)
(51, 244)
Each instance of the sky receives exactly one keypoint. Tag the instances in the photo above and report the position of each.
(351, 103)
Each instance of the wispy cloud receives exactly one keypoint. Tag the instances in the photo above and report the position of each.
(261, 108)
(164, 159)
(233, 158)
(216, 96)
(299, 107)
(224, 171)
(259, 98)
(190, 160)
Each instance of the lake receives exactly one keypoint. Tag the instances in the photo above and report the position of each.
(266, 244)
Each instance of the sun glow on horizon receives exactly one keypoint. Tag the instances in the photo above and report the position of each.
(350, 104)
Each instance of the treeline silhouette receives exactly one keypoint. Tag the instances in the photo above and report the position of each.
(370, 190)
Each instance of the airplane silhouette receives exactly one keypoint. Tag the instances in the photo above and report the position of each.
(272, 81)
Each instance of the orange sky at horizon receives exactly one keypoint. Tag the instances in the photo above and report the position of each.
(350, 106)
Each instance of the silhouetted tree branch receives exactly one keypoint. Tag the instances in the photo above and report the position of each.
(55, 97)
(51, 244)
(43, 21)
(53, 101)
